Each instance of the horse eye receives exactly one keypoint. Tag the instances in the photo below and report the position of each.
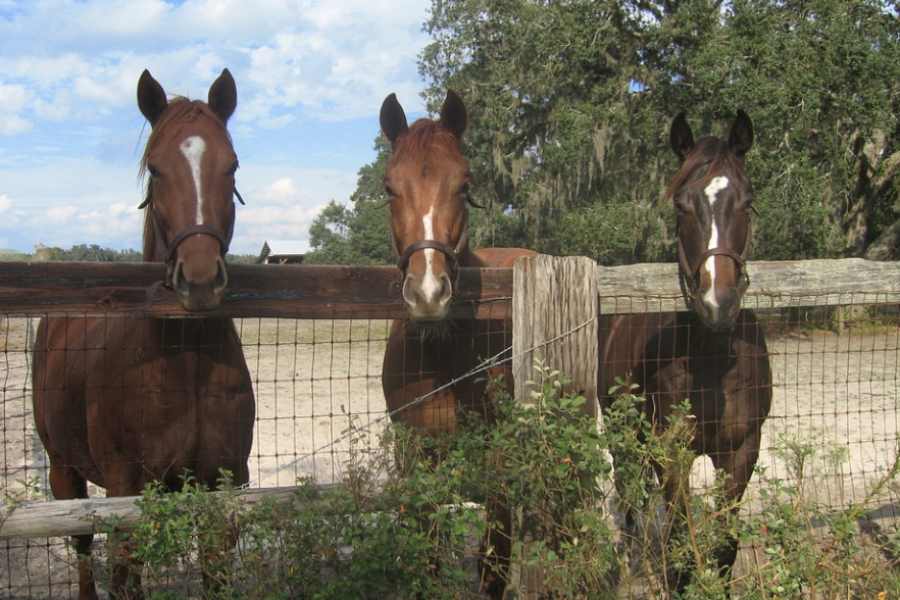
(466, 189)
(390, 193)
(233, 169)
(154, 172)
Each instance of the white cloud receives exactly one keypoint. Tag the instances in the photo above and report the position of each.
(282, 191)
(5, 204)
(255, 225)
(61, 215)
(114, 20)
(13, 124)
(275, 216)
(13, 99)
(333, 60)
(69, 72)
(51, 111)
(117, 217)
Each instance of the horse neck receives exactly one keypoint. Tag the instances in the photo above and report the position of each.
(497, 257)
(467, 258)
(207, 332)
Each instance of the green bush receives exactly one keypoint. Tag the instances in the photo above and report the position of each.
(408, 519)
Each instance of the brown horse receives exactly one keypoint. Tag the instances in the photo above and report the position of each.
(428, 185)
(715, 354)
(121, 402)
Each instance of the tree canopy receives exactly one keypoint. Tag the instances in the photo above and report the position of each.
(570, 103)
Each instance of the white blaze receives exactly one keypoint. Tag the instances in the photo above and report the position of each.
(712, 190)
(193, 148)
(430, 285)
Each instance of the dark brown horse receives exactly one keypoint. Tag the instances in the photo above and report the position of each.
(715, 354)
(121, 402)
(428, 184)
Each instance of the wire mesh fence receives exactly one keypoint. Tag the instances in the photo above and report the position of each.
(833, 427)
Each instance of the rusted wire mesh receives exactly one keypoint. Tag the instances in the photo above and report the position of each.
(318, 394)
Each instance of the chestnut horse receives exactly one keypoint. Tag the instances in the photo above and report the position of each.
(715, 354)
(428, 184)
(121, 402)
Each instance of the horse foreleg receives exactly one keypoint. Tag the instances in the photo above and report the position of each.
(216, 556)
(125, 571)
(496, 551)
(679, 563)
(738, 467)
(123, 479)
(87, 587)
(67, 484)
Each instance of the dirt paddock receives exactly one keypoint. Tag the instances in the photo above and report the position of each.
(318, 391)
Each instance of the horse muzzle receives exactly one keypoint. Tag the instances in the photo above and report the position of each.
(719, 309)
(427, 297)
(199, 289)
(428, 291)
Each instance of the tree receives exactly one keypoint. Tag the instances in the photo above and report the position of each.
(570, 103)
(824, 79)
(554, 126)
(357, 235)
(85, 253)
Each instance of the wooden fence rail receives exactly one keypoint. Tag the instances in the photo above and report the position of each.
(325, 292)
(59, 518)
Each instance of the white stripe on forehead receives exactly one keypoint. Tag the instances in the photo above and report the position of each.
(193, 149)
(712, 190)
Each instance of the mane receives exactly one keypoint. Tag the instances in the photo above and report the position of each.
(423, 139)
(711, 157)
(179, 110)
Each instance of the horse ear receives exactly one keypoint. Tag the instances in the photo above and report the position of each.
(454, 115)
(392, 119)
(681, 138)
(222, 97)
(741, 138)
(151, 97)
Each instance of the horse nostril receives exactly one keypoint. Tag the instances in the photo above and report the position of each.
(409, 294)
(446, 288)
(182, 286)
(221, 277)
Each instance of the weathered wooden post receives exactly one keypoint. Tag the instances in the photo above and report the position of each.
(555, 307)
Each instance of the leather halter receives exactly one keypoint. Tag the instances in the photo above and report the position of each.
(452, 255)
(170, 248)
(688, 274)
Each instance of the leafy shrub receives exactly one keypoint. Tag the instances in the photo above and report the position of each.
(410, 519)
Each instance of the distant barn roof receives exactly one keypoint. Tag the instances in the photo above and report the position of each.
(282, 251)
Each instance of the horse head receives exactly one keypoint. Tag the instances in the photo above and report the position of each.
(191, 164)
(427, 182)
(713, 198)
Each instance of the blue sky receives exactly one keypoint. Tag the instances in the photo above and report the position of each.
(311, 76)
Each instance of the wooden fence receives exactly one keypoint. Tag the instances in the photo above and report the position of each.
(552, 295)
(316, 292)
(544, 296)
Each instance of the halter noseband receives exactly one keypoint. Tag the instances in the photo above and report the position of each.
(688, 274)
(451, 254)
(170, 248)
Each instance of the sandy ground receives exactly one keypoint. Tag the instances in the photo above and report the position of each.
(319, 395)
